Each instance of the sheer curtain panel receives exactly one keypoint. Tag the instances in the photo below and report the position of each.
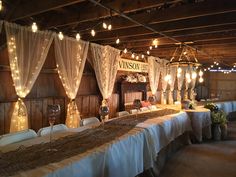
(173, 73)
(164, 82)
(153, 73)
(105, 63)
(70, 58)
(27, 53)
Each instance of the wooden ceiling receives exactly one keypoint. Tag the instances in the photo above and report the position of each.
(208, 25)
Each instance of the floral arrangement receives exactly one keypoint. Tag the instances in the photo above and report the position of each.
(134, 78)
(217, 116)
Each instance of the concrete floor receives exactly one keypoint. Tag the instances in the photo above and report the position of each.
(209, 159)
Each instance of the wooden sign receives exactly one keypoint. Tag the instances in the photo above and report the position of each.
(133, 66)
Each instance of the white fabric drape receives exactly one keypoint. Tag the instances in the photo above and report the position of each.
(164, 83)
(153, 73)
(187, 84)
(173, 73)
(105, 63)
(193, 83)
(180, 81)
(27, 53)
(70, 57)
(1, 24)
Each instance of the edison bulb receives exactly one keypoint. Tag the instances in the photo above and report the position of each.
(117, 41)
(201, 80)
(132, 55)
(194, 75)
(148, 52)
(200, 73)
(142, 56)
(34, 27)
(77, 37)
(104, 25)
(109, 27)
(60, 35)
(93, 33)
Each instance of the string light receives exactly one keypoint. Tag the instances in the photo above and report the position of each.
(212, 66)
(61, 36)
(142, 56)
(155, 42)
(104, 25)
(150, 47)
(1, 7)
(201, 79)
(77, 36)
(132, 55)
(137, 57)
(109, 27)
(156, 46)
(148, 52)
(34, 27)
(125, 51)
(93, 33)
(117, 41)
(200, 73)
(194, 75)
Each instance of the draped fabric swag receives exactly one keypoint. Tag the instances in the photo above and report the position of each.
(153, 73)
(104, 60)
(173, 73)
(70, 57)
(193, 83)
(188, 71)
(27, 53)
(180, 81)
(164, 83)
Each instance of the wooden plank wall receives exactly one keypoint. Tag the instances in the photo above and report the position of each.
(47, 90)
(223, 85)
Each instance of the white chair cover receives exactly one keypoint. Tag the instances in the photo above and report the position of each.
(152, 107)
(27, 53)
(122, 113)
(56, 128)
(133, 111)
(143, 109)
(89, 121)
(17, 137)
(70, 57)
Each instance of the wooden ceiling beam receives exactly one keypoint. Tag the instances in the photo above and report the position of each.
(89, 12)
(187, 24)
(199, 31)
(34, 7)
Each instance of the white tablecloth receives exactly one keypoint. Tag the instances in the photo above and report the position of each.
(227, 106)
(125, 157)
(201, 122)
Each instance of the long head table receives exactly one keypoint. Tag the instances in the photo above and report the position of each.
(123, 147)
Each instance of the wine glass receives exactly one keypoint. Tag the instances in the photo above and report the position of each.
(137, 105)
(53, 111)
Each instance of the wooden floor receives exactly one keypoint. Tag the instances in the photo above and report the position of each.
(211, 159)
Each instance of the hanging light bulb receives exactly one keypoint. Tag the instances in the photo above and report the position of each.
(34, 27)
(201, 79)
(60, 35)
(205, 69)
(200, 73)
(150, 47)
(156, 46)
(142, 56)
(155, 42)
(125, 51)
(117, 41)
(109, 27)
(148, 52)
(93, 33)
(132, 55)
(104, 25)
(77, 36)
(137, 57)
(1, 5)
(179, 70)
(187, 76)
(194, 75)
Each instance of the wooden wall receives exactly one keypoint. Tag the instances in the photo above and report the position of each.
(47, 90)
(222, 85)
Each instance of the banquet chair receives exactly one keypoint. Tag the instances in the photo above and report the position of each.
(15, 137)
(122, 113)
(89, 121)
(56, 128)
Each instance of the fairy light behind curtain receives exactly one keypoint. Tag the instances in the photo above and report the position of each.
(153, 73)
(105, 63)
(27, 53)
(70, 56)
(173, 73)
(164, 83)
(180, 81)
